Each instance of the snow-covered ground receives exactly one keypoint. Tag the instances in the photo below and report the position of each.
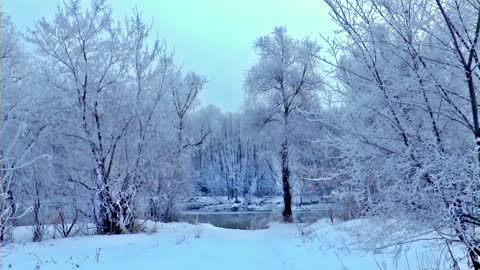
(185, 246)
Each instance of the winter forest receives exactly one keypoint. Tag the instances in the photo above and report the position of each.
(356, 150)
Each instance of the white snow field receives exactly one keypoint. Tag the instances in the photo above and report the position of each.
(183, 246)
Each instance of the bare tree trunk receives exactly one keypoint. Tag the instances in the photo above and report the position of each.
(108, 222)
(38, 226)
(287, 195)
(108, 218)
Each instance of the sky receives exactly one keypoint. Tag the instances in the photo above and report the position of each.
(212, 37)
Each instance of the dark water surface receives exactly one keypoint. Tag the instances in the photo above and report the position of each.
(251, 220)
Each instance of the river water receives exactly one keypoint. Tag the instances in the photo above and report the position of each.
(248, 220)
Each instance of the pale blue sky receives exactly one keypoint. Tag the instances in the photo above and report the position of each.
(211, 37)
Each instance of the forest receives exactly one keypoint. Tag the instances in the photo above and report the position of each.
(373, 130)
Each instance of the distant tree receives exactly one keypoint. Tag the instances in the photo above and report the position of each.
(178, 173)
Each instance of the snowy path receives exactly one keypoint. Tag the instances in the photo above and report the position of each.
(184, 246)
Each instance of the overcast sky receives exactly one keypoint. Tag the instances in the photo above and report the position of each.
(211, 37)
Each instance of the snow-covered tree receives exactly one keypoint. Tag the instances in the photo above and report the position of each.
(408, 77)
(102, 68)
(280, 85)
(19, 128)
